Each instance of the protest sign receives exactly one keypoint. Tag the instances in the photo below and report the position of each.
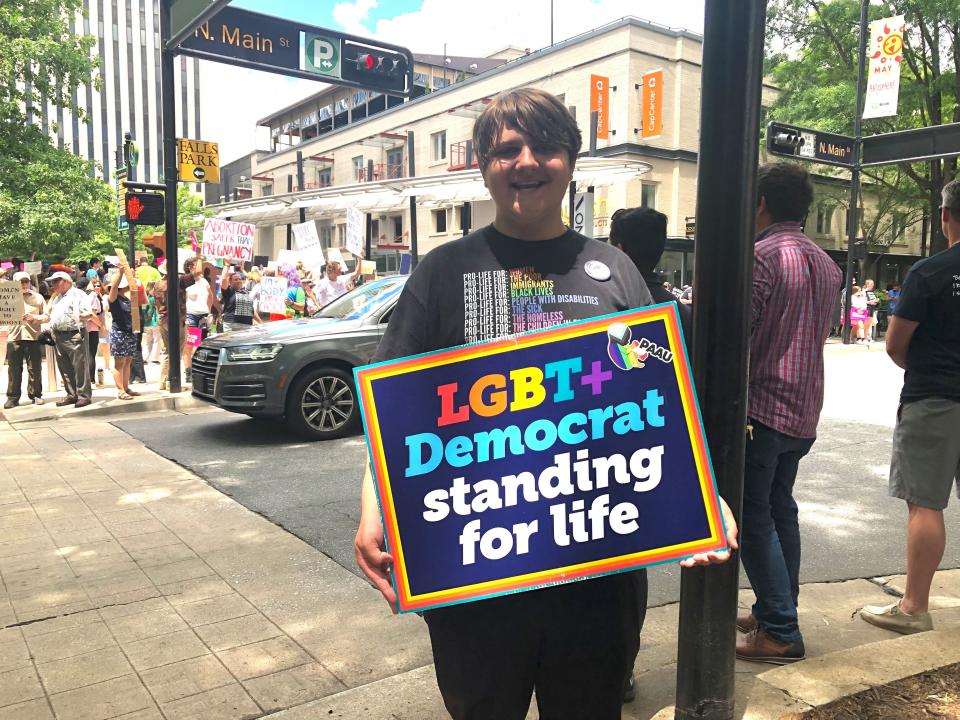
(334, 255)
(288, 257)
(273, 295)
(308, 242)
(11, 302)
(546, 457)
(229, 240)
(33, 268)
(354, 231)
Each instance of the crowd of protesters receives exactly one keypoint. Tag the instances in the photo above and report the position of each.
(85, 312)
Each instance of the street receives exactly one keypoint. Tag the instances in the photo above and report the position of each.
(851, 527)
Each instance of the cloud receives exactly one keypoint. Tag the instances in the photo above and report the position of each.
(235, 98)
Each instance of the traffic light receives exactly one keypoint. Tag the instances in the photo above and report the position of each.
(144, 208)
(372, 67)
(784, 139)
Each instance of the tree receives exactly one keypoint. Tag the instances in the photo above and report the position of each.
(49, 199)
(812, 48)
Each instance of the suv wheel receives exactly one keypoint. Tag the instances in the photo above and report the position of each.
(322, 404)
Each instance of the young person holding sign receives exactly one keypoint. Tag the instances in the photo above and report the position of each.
(574, 643)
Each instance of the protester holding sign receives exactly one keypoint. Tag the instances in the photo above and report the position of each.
(22, 346)
(573, 644)
(237, 306)
(334, 284)
(160, 298)
(199, 302)
(123, 343)
(794, 286)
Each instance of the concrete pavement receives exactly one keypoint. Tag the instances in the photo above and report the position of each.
(133, 589)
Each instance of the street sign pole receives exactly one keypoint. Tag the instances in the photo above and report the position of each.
(170, 171)
(726, 209)
(853, 215)
(131, 175)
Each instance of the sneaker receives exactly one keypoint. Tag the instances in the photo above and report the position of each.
(758, 646)
(11, 403)
(37, 401)
(891, 617)
(746, 622)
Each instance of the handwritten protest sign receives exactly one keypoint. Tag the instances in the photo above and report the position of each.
(334, 255)
(33, 268)
(273, 295)
(354, 231)
(288, 257)
(229, 240)
(546, 457)
(11, 302)
(308, 242)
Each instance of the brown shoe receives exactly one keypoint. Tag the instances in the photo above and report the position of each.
(82, 402)
(66, 401)
(758, 646)
(746, 622)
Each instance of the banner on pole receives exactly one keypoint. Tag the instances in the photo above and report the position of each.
(229, 240)
(883, 76)
(600, 103)
(273, 295)
(651, 101)
(541, 458)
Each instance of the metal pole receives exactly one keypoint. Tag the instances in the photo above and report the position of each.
(289, 226)
(594, 124)
(368, 249)
(853, 215)
(300, 183)
(411, 167)
(131, 175)
(726, 208)
(169, 112)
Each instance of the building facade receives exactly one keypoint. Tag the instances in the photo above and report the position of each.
(127, 35)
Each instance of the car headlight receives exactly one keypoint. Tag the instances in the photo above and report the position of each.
(253, 352)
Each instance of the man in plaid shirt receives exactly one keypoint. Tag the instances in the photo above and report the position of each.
(795, 284)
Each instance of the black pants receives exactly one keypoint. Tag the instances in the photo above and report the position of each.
(93, 344)
(137, 373)
(18, 352)
(574, 644)
(71, 351)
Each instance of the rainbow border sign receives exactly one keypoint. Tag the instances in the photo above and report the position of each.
(541, 458)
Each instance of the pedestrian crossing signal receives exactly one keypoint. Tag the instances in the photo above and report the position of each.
(144, 208)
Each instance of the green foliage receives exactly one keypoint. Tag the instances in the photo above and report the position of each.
(50, 200)
(812, 48)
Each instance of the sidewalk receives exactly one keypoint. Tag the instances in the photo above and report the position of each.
(133, 589)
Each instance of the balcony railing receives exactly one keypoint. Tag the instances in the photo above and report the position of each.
(381, 171)
(458, 156)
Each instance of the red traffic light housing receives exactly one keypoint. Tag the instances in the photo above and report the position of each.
(372, 67)
(144, 208)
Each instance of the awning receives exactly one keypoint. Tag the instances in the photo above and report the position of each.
(393, 195)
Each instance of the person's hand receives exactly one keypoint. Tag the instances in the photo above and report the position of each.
(123, 267)
(376, 564)
(29, 317)
(719, 556)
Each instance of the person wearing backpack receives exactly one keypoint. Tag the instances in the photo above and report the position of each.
(236, 301)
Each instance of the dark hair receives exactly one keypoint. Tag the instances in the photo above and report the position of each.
(535, 113)
(82, 283)
(642, 233)
(94, 260)
(787, 190)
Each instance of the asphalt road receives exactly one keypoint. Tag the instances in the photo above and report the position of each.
(850, 527)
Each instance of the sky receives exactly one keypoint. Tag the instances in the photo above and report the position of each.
(233, 98)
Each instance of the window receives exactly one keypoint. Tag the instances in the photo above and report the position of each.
(898, 227)
(825, 219)
(375, 229)
(439, 221)
(358, 168)
(342, 234)
(359, 98)
(325, 177)
(397, 228)
(326, 235)
(420, 79)
(395, 163)
(648, 196)
(438, 146)
(440, 82)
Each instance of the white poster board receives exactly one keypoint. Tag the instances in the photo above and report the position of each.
(33, 268)
(288, 257)
(232, 241)
(273, 295)
(308, 243)
(11, 302)
(334, 255)
(354, 231)
(183, 254)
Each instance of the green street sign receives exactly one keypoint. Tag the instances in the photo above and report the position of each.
(321, 54)
(186, 15)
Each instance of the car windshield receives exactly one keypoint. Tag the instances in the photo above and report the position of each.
(360, 302)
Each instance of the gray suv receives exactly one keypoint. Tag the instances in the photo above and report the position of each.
(300, 370)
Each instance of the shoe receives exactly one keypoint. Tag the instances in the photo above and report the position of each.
(83, 402)
(629, 692)
(746, 622)
(124, 396)
(11, 403)
(758, 646)
(891, 617)
(66, 401)
(132, 393)
(37, 401)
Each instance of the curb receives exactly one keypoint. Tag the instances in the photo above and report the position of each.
(107, 408)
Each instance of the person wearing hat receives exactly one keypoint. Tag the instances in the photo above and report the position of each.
(123, 343)
(22, 346)
(68, 310)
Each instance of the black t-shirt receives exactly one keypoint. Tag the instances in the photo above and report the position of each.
(229, 298)
(487, 285)
(120, 314)
(931, 297)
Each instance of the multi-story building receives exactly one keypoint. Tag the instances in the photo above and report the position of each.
(127, 35)
(351, 156)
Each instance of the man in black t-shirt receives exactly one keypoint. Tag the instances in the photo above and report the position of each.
(575, 643)
(924, 339)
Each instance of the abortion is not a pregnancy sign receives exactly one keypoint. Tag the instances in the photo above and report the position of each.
(541, 458)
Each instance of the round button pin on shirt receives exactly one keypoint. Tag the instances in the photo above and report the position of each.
(597, 270)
